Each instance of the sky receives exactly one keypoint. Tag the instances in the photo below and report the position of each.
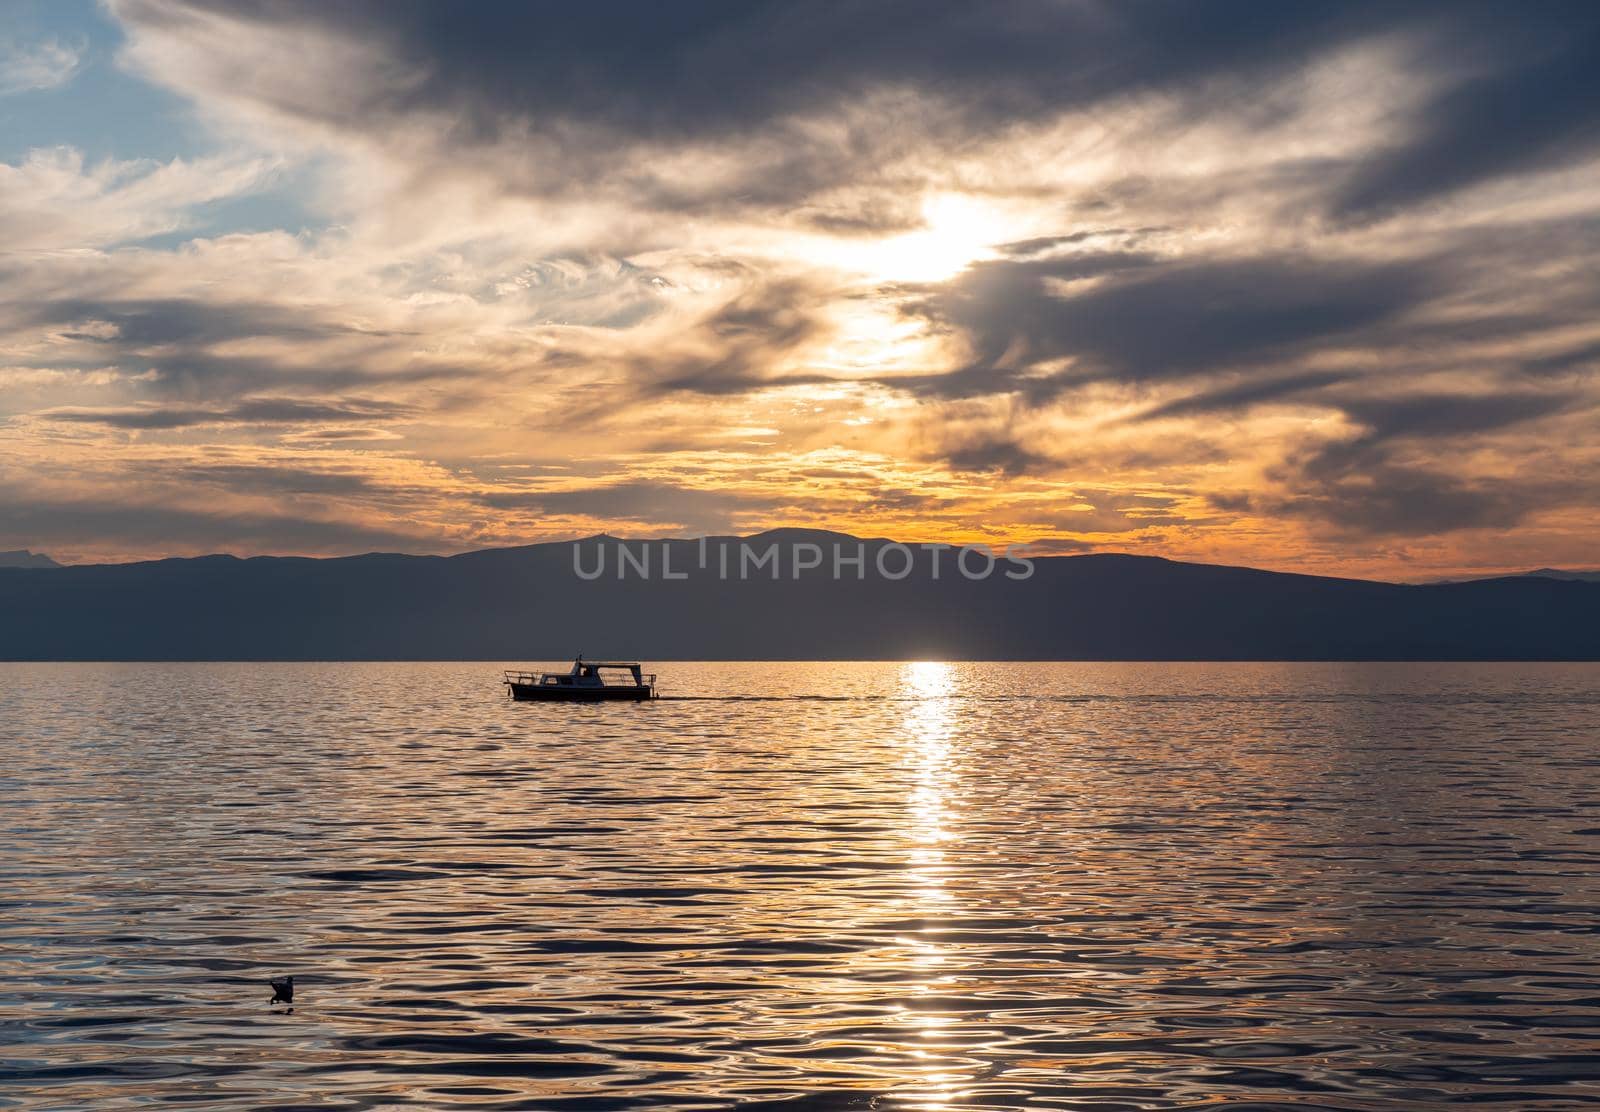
(1305, 287)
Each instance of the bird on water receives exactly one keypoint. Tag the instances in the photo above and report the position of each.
(282, 990)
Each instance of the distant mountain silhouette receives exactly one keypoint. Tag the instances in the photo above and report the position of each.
(1536, 573)
(22, 558)
(529, 603)
(1557, 573)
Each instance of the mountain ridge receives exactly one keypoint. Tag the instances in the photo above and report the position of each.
(23, 558)
(531, 602)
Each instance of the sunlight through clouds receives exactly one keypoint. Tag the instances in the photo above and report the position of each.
(1080, 276)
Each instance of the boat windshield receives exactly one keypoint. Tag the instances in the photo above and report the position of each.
(609, 675)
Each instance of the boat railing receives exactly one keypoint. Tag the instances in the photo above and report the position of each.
(647, 679)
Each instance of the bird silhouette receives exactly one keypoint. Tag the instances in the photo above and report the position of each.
(282, 990)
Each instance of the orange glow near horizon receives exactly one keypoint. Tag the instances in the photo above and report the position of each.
(937, 308)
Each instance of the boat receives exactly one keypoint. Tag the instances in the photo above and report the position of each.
(589, 681)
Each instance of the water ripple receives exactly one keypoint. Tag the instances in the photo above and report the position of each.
(1109, 887)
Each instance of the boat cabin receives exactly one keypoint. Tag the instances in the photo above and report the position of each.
(586, 680)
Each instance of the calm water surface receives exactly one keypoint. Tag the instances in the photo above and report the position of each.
(878, 886)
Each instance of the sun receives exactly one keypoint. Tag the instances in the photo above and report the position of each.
(958, 230)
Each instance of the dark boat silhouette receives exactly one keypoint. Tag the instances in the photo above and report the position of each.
(589, 681)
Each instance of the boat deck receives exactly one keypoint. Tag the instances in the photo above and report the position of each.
(585, 683)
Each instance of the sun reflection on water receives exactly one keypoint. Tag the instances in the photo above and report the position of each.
(929, 726)
(930, 723)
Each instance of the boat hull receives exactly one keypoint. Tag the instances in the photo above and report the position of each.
(550, 693)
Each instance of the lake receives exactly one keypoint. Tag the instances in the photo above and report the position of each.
(831, 886)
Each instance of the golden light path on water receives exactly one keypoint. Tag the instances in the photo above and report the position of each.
(928, 726)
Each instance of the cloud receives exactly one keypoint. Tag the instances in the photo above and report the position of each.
(30, 67)
(76, 524)
(1252, 391)
(1143, 320)
(640, 69)
(998, 453)
(779, 105)
(1385, 500)
(1572, 359)
(1056, 546)
(741, 344)
(1440, 415)
(1534, 104)
(1377, 483)
(697, 511)
(927, 270)
(54, 200)
(275, 480)
(146, 324)
(250, 411)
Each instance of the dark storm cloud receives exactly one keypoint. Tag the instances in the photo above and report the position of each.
(1540, 108)
(1513, 86)
(685, 70)
(1364, 487)
(180, 338)
(1246, 394)
(1154, 321)
(1391, 500)
(251, 411)
(1573, 360)
(1434, 415)
(183, 340)
(1236, 328)
(1002, 454)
